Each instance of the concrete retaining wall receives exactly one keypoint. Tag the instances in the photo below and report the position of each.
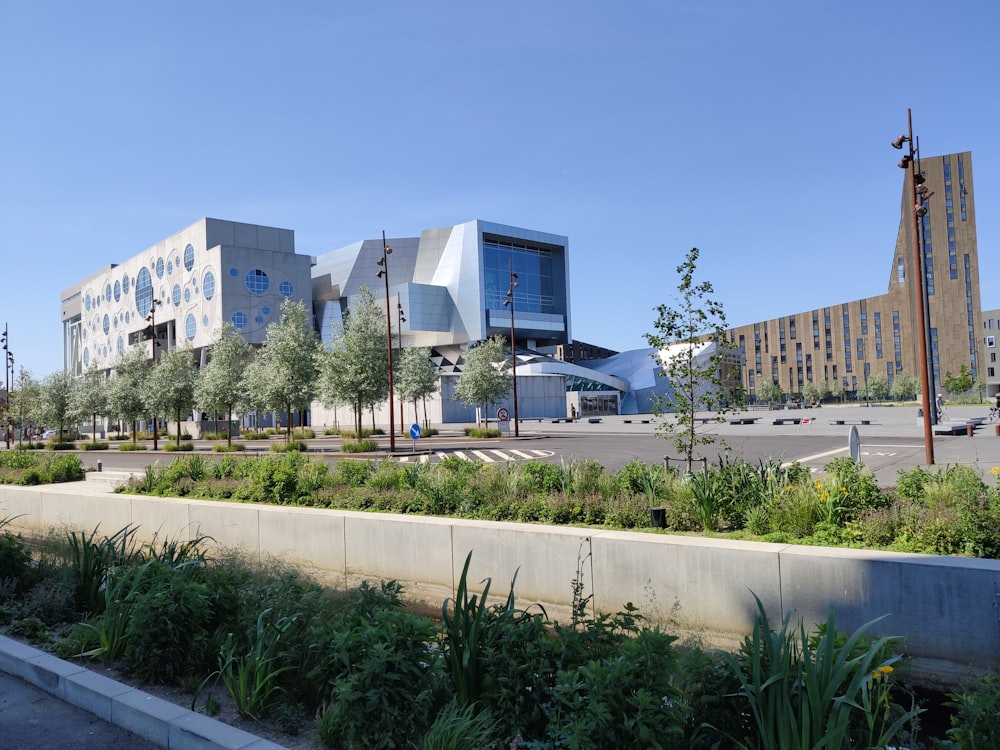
(948, 609)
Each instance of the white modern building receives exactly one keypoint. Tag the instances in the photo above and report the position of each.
(185, 286)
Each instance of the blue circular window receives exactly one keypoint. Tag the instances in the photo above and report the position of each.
(187, 294)
(209, 285)
(170, 267)
(106, 324)
(259, 319)
(176, 294)
(257, 281)
(189, 257)
(286, 288)
(265, 310)
(86, 303)
(143, 292)
(86, 356)
(239, 320)
(127, 316)
(118, 291)
(121, 344)
(204, 321)
(159, 268)
(107, 292)
(190, 326)
(233, 272)
(125, 284)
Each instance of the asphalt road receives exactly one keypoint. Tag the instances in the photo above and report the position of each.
(891, 439)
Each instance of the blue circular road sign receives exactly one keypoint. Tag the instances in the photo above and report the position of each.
(415, 431)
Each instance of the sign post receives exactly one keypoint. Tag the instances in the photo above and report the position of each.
(414, 435)
(503, 419)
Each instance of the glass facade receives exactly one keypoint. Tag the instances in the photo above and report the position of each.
(535, 291)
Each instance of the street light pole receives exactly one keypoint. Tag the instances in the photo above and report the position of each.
(152, 334)
(909, 162)
(8, 371)
(509, 302)
(399, 334)
(383, 273)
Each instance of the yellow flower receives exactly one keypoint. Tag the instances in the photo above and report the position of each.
(885, 669)
(995, 470)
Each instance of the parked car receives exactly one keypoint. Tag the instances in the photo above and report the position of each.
(48, 435)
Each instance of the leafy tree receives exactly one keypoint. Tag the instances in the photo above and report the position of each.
(837, 389)
(285, 366)
(25, 401)
(55, 403)
(126, 387)
(815, 393)
(89, 396)
(958, 384)
(355, 368)
(697, 376)
(768, 391)
(219, 386)
(170, 385)
(878, 387)
(417, 377)
(904, 387)
(486, 375)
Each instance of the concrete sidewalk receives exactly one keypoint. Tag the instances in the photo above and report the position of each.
(47, 703)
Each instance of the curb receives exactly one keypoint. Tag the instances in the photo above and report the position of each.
(161, 722)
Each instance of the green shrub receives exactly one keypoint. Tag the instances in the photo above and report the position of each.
(96, 445)
(132, 447)
(391, 686)
(228, 448)
(360, 446)
(974, 722)
(168, 631)
(817, 690)
(590, 708)
(172, 447)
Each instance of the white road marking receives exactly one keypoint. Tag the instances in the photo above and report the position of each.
(804, 459)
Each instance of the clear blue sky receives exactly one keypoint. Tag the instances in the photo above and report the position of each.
(756, 131)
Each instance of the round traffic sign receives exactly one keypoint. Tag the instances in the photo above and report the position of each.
(415, 431)
(502, 414)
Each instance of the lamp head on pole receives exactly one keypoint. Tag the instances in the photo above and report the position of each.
(904, 163)
(898, 143)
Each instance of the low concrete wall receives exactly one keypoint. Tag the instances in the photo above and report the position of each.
(946, 608)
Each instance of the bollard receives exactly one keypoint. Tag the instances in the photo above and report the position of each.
(969, 429)
(658, 518)
(99, 466)
(997, 428)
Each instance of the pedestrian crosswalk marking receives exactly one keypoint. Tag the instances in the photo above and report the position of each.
(484, 455)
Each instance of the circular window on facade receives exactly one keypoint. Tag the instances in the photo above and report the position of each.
(204, 321)
(239, 320)
(114, 322)
(257, 281)
(259, 319)
(143, 292)
(86, 356)
(189, 257)
(176, 294)
(118, 291)
(107, 292)
(286, 289)
(121, 344)
(107, 323)
(209, 285)
(187, 294)
(159, 268)
(265, 310)
(170, 267)
(127, 316)
(125, 284)
(86, 303)
(190, 326)
(233, 272)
